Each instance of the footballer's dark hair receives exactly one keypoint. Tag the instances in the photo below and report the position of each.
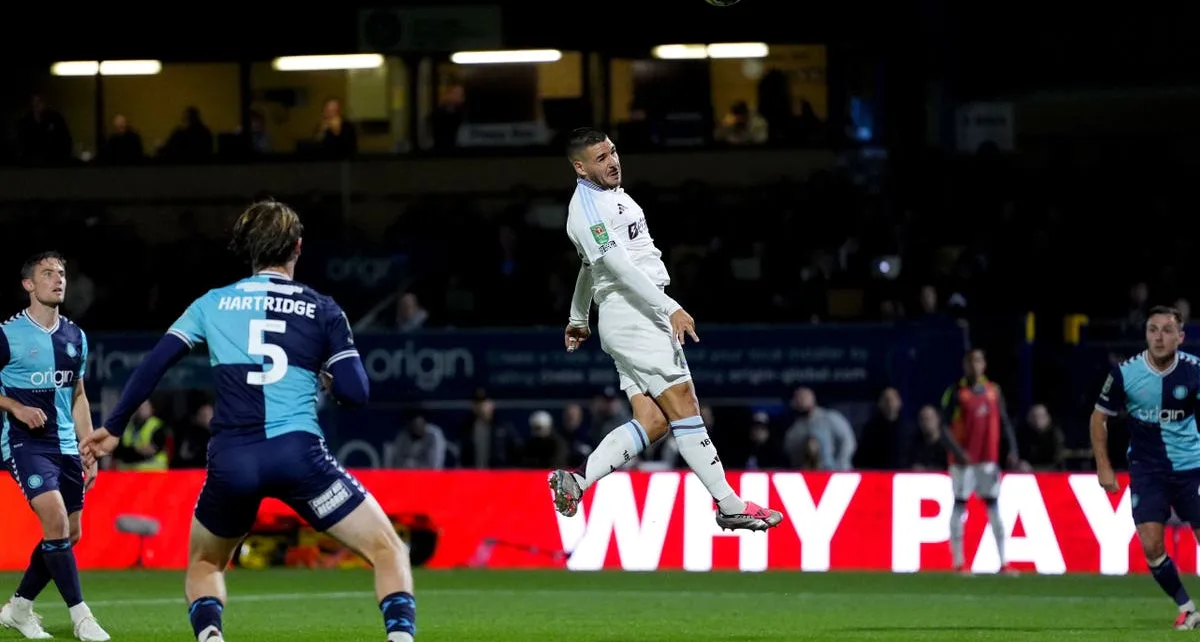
(265, 235)
(583, 138)
(32, 262)
(1166, 311)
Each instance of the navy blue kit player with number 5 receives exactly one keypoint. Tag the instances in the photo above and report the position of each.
(1159, 392)
(273, 344)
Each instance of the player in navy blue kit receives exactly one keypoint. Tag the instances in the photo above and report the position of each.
(1159, 389)
(43, 358)
(273, 343)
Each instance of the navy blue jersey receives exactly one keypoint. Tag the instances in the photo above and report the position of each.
(268, 338)
(1162, 411)
(39, 368)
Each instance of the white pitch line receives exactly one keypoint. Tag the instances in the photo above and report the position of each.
(803, 595)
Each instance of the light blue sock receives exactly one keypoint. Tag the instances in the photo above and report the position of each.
(697, 449)
(618, 448)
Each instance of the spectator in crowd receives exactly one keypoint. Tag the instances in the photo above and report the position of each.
(885, 437)
(419, 445)
(191, 439)
(928, 448)
(485, 442)
(143, 447)
(828, 427)
(608, 412)
(579, 445)
(1043, 443)
(544, 448)
(763, 452)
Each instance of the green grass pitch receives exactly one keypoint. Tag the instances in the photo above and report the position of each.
(490, 606)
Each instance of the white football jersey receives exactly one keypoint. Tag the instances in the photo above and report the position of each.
(599, 220)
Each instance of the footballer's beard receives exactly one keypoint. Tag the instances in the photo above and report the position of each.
(607, 179)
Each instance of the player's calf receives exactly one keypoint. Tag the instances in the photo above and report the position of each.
(208, 556)
(368, 531)
(620, 446)
(682, 409)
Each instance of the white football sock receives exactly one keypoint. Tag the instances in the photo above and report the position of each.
(698, 451)
(79, 612)
(998, 530)
(957, 518)
(617, 448)
(399, 636)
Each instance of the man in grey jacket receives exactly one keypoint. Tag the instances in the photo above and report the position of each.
(829, 427)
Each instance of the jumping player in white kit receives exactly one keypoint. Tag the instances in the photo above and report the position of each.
(643, 330)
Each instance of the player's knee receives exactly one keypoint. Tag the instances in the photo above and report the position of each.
(75, 533)
(679, 401)
(1154, 551)
(55, 524)
(655, 424)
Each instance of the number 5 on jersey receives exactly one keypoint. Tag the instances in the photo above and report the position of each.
(259, 347)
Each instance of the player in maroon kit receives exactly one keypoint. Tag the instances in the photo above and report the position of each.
(975, 417)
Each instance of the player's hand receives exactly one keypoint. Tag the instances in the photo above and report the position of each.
(326, 381)
(98, 444)
(1108, 480)
(32, 417)
(90, 471)
(683, 325)
(575, 336)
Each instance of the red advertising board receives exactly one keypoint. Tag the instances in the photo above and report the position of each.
(1058, 523)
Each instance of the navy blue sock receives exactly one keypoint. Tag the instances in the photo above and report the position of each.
(205, 613)
(60, 561)
(37, 576)
(400, 613)
(1167, 576)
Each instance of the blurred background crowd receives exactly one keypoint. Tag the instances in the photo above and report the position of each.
(791, 178)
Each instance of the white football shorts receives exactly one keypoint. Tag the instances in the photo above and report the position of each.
(648, 358)
(980, 479)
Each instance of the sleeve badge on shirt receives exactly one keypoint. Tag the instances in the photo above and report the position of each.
(1107, 385)
(600, 233)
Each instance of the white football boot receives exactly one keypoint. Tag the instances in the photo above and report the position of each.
(18, 614)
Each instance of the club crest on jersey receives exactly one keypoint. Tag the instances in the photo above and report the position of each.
(600, 233)
(1180, 392)
(71, 351)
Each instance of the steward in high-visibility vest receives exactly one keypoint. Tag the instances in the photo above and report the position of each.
(151, 434)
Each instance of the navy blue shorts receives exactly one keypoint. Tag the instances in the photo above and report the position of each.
(295, 468)
(1155, 494)
(41, 469)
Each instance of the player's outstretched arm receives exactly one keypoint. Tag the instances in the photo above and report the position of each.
(169, 350)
